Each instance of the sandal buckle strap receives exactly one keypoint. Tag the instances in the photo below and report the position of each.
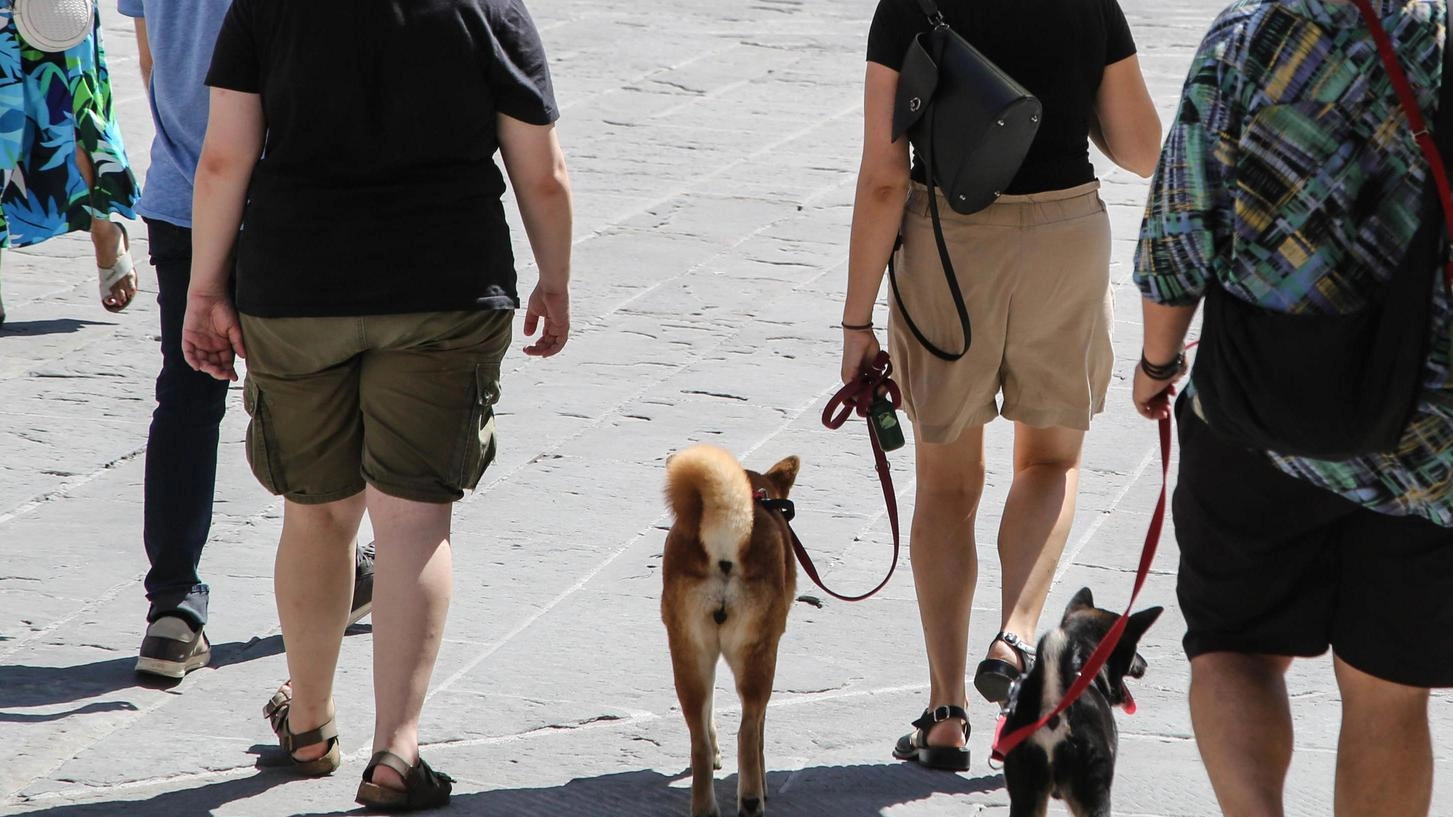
(940, 714)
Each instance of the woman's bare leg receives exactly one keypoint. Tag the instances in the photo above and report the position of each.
(1035, 525)
(945, 565)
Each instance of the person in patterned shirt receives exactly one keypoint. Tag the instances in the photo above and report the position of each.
(1290, 179)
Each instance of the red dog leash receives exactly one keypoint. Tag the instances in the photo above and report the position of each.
(1004, 744)
(857, 398)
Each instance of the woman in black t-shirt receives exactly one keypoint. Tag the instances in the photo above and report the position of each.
(376, 289)
(1034, 270)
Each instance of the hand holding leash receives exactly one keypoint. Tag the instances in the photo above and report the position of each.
(874, 395)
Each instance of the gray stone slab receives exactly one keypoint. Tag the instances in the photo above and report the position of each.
(714, 149)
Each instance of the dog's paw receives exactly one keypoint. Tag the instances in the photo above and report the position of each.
(712, 813)
(750, 807)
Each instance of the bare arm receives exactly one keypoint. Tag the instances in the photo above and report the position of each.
(143, 48)
(1125, 126)
(877, 214)
(536, 167)
(235, 131)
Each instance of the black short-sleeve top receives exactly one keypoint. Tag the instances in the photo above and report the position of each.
(1058, 49)
(377, 191)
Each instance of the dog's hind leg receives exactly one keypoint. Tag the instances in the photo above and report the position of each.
(1027, 777)
(1089, 800)
(694, 665)
(754, 673)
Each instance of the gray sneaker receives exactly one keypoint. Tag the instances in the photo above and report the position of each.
(362, 584)
(171, 648)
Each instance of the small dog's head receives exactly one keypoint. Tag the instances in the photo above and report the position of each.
(1085, 625)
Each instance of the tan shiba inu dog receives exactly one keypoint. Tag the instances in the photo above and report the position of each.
(729, 579)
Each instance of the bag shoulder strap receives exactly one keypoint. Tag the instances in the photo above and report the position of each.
(961, 309)
(930, 10)
(1400, 83)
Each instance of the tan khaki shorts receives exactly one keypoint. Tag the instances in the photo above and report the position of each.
(401, 402)
(1035, 273)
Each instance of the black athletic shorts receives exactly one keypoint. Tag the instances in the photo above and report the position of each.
(1274, 565)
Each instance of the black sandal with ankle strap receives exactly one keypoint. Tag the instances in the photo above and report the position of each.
(995, 676)
(424, 788)
(914, 745)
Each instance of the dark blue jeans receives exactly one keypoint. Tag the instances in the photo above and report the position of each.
(181, 449)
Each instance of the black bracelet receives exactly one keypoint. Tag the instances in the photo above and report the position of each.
(859, 327)
(1163, 371)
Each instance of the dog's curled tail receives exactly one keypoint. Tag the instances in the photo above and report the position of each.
(710, 493)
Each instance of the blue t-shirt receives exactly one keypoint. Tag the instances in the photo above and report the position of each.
(181, 34)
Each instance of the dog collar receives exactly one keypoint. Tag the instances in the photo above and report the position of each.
(782, 506)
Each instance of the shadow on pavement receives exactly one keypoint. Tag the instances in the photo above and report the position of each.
(56, 326)
(99, 706)
(193, 802)
(26, 686)
(840, 791)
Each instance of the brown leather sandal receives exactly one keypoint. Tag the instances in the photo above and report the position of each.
(276, 711)
(424, 788)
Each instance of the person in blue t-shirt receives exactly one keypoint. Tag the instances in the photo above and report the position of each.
(175, 40)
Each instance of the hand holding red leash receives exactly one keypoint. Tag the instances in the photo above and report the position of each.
(872, 381)
(856, 397)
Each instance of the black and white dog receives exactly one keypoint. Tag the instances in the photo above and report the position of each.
(1072, 758)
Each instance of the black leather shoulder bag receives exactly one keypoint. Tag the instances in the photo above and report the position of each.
(971, 124)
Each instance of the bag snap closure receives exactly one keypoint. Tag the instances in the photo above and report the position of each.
(914, 104)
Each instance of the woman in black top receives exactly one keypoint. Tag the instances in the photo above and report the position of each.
(1034, 271)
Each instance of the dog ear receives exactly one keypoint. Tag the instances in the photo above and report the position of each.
(783, 475)
(1083, 600)
(1125, 660)
(1139, 623)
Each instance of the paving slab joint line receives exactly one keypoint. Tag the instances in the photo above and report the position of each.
(584, 580)
(67, 486)
(727, 251)
(1068, 559)
(698, 181)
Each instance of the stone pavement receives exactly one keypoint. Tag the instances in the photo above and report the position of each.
(713, 147)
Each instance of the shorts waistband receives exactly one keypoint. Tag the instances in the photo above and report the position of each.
(1023, 209)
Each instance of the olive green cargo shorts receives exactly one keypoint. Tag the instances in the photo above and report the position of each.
(401, 402)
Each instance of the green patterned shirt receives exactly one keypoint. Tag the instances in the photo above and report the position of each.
(1289, 132)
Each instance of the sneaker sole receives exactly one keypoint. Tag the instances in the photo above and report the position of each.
(172, 669)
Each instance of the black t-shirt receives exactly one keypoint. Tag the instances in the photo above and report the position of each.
(377, 191)
(1058, 49)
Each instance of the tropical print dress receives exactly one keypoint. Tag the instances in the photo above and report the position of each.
(49, 103)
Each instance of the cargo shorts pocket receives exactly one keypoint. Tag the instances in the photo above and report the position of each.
(478, 444)
(261, 445)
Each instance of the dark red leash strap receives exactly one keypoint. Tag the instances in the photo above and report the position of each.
(855, 398)
(1004, 744)
(1414, 114)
